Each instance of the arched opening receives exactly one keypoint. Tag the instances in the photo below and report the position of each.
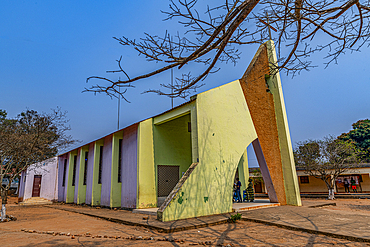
(258, 191)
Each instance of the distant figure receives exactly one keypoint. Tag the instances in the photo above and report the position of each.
(250, 191)
(346, 185)
(353, 184)
(237, 186)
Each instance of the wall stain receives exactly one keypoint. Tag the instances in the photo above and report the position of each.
(180, 200)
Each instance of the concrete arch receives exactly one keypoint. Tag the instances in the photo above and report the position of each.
(225, 128)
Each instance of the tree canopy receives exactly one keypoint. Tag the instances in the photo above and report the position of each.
(214, 34)
(30, 138)
(326, 159)
(359, 136)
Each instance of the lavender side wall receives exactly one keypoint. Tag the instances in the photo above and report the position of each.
(77, 175)
(61, 189)
(129, 167)
(21, 186)
(66, 176)
(106, 171)
(90, 169)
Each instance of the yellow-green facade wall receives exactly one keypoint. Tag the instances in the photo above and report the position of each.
(224, 129)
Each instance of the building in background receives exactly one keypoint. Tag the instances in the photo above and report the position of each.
(40, 180)
(309, 184)
(360, 174)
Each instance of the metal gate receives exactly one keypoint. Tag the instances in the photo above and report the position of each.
(168, 176)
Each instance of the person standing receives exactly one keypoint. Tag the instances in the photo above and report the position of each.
(250, 191)
(346, 185)
(238, 186)
(353, 184)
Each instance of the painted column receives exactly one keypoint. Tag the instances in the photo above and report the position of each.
(265, 171)
(70, 189)
(21, 186)
(81, 196)
(106, 172)
(90, 173)
(78, 164)
(115, 191)
(146, 193)
(194, 133)
(286, 151)
(129, 167)
(61, 187)
(96, 187)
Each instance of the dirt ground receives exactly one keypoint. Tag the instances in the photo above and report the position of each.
(42, 226)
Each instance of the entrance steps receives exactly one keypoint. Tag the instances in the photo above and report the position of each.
(35, 201)
(149, 211)
(258, 203)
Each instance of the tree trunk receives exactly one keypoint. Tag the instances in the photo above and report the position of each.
(4, 197)
(3, 212)
(331, 194)
(331, 188)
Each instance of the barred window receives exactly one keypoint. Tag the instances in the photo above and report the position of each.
(64, 173)
(119, 160)
(85, 167)
(304, 179)
(100, 164)
(74, 170)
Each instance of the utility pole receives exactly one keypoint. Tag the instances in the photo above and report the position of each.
(172, 88)
(268, 24)
(171, 79)
(119, 105)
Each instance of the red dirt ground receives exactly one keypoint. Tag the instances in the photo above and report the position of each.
(42, 219)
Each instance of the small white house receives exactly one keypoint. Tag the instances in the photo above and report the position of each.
(40, 180)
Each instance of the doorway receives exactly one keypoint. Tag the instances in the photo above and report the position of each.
(36, 186)
(257, 186)
(168, 177)
(172, 153)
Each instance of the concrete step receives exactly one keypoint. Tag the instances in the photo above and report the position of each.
(35, 201)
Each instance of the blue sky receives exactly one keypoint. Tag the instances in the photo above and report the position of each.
(49, 48)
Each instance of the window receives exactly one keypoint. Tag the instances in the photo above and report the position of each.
(64, 173)
(74, 170)
(85, 167)
(100, 164)
(119, 160)
(304, 179)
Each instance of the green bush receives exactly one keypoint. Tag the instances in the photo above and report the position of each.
(235, 217)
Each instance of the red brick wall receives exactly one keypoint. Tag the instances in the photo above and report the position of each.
(261, 106)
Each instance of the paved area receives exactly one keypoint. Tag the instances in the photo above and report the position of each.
(147, 221)
(319, 222)
(318, 217)
(45, 226)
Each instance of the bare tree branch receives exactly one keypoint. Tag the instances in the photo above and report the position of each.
(212, 37)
